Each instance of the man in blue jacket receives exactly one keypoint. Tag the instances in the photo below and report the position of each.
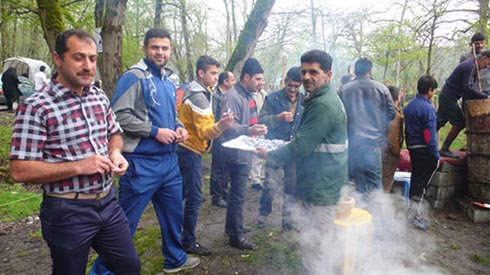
(369, 108)
(281, 114)
(144, 103)
(463, 82)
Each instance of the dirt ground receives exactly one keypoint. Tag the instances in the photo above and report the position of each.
(452, 245)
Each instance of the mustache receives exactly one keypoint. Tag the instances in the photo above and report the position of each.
(85, 73)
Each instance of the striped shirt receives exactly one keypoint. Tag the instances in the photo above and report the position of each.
(57, 125)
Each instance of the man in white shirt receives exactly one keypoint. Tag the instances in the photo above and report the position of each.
(40, 78)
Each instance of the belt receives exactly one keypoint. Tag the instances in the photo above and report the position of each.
(80, 196)
(417, 146)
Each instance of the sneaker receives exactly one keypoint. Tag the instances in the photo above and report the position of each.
(257, 186)
(289, 227)
(191, 262)
(221, 203)
(197, 249)
(242, 243)
(261, 220)
(420, 223)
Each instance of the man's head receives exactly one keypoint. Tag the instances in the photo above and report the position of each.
(478, 41)
(226, 80)
(427, 86)
(207, 70)
(42, 68)
(484, 59)
(292, 83)
(363, 66)
(316, 70)
(157, 47)
(252, 75)
(395, 94)
(75, 58)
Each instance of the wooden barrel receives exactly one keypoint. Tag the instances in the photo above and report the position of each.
(478, 139)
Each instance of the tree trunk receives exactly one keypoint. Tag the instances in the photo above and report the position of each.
(255, 25)
(185, 33)
(483, 9)
(157, 22)
(111, 62)
(51, 20)
(99, 13)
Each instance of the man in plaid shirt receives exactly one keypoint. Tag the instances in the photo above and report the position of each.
(66, 139)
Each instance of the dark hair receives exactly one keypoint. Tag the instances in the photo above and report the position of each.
(477, 37)
(158, 33)
(223, 77)
(60, 46)
(425, 83)
(394, 91)
(320, 57)
(485, 53)
(363, 66)
(203, 63)
(42, 68)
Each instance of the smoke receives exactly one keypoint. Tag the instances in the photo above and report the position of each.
(387, 244)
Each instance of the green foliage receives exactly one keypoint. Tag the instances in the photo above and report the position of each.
(17, 203)
(480, 259)
(277, 251)
(458, 143)
(5, 139)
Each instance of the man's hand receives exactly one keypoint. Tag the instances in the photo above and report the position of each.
(95, 164)
(285, 116)
(182, 135)
(258, 130)
(166, 136)
(225, 122)
(120, 163)
(261, 153)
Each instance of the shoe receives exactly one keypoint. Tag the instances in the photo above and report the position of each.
(448, 154)
(289, 227)
(257, 186)
(247, 229)
(197, 249)
(191, 262)
(242, 243)
(221, 203)
(261, 220)
(420, 223)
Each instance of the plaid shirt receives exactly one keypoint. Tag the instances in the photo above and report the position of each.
(57, 125)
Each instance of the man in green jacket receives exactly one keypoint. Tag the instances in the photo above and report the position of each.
(320, 151)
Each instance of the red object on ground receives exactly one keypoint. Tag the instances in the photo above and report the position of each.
(404, 163)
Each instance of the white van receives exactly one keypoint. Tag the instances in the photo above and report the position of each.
(25, 68)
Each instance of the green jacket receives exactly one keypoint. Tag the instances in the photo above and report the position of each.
(319, 149)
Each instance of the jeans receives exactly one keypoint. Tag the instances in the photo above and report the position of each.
(365, 167)
(423, 166)
(218, 185)
(190, 165)
(275, 178)
(71, 227)
(156, 179)
(236, 198)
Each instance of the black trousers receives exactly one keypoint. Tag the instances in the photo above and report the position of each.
(423, 165)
